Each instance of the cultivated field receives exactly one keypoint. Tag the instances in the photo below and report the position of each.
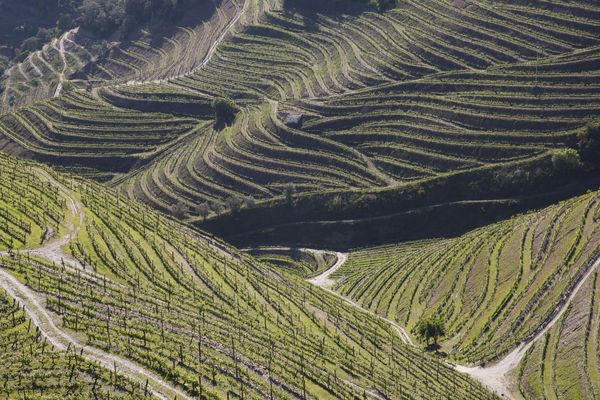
(132, 285)
(495, 288)
(387, 98)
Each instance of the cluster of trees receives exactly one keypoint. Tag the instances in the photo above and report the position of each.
(105, 16)
(233, 204)
(588, 144)
(586, 155)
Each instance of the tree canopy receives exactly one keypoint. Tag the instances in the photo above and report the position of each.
(224, 109)
(431, 328)
(589, 144)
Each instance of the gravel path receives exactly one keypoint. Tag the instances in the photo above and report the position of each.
(498, 376)
(323, 281)
(33, 305)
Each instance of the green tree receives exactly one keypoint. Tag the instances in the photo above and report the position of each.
(588, 143)
(179, 210)
(203, 210)
(566, 161)
(224, 109)
(431, 328)
(234, 203)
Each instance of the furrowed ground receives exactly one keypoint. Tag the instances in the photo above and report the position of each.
(31, 209)
(565, 364)
(205, 318)
(495, 288)
(32, 368)
(82, 57)
(388, 99)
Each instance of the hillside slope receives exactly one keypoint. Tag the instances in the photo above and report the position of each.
(387, 99)
(130, 285)
(496, 288)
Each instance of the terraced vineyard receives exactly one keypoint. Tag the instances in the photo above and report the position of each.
(210, 320)
(494, 286)
(565, 364)
(178, 50)
(387, 98)
(44, 72)
(32, 368)
(347, 120)
(77, 130)
(381, 105)
(31, 208)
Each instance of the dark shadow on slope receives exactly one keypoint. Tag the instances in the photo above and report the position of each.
(440, 207)
(310, 10)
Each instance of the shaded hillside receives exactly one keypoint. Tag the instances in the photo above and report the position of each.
(388, 103)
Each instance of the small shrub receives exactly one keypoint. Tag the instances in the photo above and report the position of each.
(234, 204)
(203, 210)
(289, 190)
(249, 202)
(179, 210)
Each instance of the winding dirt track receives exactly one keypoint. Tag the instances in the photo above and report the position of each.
(323, 281)
(496, 377)
(33, 305)
(61, 51)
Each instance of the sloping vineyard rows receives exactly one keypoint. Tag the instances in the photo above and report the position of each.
(493, 286)
(213, 320)
(78, 130)
(153, 56)
(565, 363)
(30, 208)
(38, 76)
(364, 126)
(32, 368)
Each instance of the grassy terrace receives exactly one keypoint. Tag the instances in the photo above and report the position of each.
(213, 321)
(388, 98)
(77, 129)
(168, 52)
(39, 74)
(493, 286)
(32, 368)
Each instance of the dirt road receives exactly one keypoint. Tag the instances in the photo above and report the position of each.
(498, 376)
(61, 339)
(324, 281)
